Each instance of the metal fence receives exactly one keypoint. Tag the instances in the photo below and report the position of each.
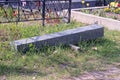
(48, 11)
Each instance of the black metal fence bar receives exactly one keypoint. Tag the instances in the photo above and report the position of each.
(45, 10)
(43, 14)
(69, 10)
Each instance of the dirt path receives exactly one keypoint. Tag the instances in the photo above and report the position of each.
(109, 74)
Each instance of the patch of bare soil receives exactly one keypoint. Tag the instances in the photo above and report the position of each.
(112, 73)
(3, 77)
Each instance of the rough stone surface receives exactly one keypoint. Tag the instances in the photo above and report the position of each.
(72, 36)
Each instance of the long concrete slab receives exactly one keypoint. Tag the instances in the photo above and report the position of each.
(71, 36)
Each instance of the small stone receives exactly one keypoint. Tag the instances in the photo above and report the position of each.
(23, 57)
(33, 78)
(35, 66)
(55, 51)
(94, 48)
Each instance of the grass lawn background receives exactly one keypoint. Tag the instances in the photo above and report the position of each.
(54, 63)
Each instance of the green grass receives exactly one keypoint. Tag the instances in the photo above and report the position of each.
(25, 30)
(57, 62)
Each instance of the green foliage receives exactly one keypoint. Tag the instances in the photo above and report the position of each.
(1, 12)
(106, 12)
(85, 11)
(9, 12)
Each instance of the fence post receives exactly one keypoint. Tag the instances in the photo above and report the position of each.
(69, 11)
(43, 13)
(18, 19)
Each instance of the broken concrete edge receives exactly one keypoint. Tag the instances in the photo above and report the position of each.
(98, 7)
(71, 36)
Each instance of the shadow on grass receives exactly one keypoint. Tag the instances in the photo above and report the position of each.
(106, 48)
(106, 52)
(7, 70)
(110, 49)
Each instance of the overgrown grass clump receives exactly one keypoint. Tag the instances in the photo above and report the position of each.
(53, 63)
(23, 30)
